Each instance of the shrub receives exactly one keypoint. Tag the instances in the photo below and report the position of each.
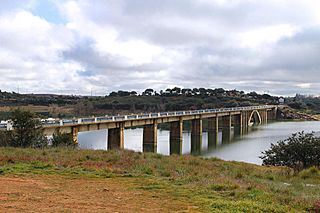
(299, 151)
(27, 130)
(62, 139)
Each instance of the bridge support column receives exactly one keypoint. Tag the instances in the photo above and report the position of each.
(237, 123)
(213, 131)
(266, 116)
(226, 128)
(245, 122)
(263, 115)
(75, 131)
(176, 137)
(227, 121)
(196, 136)
(116, 138)
(150, 133)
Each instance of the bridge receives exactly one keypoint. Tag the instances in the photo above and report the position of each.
(239, 118)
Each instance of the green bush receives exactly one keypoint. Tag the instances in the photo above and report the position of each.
(62, 139)
(300, 151)
(27, 131)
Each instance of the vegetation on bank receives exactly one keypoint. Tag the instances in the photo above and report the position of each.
(211, 184)
(300, 151)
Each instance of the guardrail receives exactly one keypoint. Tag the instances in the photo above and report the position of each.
(144, 116)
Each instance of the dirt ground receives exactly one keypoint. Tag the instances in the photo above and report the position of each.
(38, 193)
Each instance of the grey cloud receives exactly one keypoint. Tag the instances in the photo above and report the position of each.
(200, 39)
(299, 54)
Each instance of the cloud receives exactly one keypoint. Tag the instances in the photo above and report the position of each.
(132, 45)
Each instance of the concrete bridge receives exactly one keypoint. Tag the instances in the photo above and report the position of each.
(240, 118)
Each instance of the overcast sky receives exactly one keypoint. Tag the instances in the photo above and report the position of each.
(73, 47)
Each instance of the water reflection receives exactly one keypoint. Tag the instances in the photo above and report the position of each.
(237, 144)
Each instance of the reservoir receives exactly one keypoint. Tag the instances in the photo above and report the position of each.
(245, 148)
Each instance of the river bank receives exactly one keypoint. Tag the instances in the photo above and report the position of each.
(127, 181)
(287, 113)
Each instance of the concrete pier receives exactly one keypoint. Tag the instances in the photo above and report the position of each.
(237, 124)
(150, 138)
(196, 136)
(213, 131)
(176, 129)
(116, 138)
(75, 131)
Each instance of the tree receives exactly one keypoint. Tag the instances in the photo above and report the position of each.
(27, 130)
(299, 151)
(177, 90)
(123, 93)
(148, 92)
(133, 93)
(62, 139)
(5, 137)
(113, 94)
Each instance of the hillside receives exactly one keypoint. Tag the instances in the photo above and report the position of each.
(122, 102)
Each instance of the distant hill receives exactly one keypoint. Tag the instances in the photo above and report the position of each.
(120, 102)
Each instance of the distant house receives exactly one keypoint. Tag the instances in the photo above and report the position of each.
(281, 100)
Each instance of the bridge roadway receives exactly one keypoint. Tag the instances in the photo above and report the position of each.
(238, 117)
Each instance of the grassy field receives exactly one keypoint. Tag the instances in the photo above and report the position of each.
(82, 180)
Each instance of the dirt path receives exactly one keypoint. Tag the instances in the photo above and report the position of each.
(65, 194)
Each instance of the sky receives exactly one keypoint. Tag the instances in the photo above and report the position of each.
(83, 46)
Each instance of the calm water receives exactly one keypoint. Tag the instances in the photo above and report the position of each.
(246, 148)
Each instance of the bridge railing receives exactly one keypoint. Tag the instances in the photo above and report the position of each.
(143, 116)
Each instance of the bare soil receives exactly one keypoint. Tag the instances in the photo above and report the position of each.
(52, 193)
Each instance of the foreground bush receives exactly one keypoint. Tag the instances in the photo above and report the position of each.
(299, 151)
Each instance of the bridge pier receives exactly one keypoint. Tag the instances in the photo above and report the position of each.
(263, 116)
(213, 131)
(196, 136)
(227, 121)
(226, 128)
(75, 131)
(176, 137)
(245, 121)
(237, 124)
(150, 138)
(116, 138)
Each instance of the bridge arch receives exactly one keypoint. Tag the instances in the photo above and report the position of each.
(254, 118)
